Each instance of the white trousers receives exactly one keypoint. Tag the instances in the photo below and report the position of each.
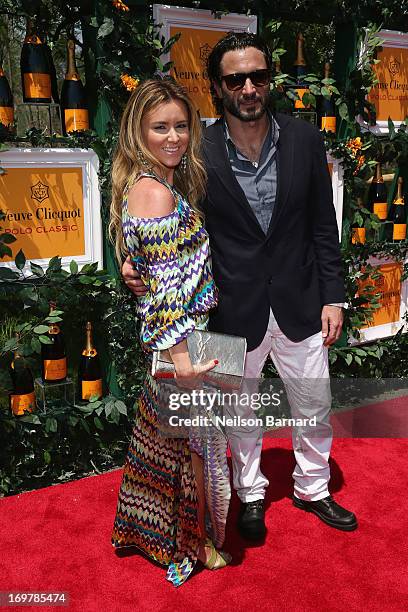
(303, 368)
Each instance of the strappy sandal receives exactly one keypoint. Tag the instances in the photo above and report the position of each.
(218, 558)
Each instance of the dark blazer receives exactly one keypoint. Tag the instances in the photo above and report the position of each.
(296, 267)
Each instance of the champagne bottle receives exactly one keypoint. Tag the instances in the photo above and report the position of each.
(327, 112)
(397, 230)
(35, 68)
(377, 195)
(53, 358)
(22, 397)
(300, 71)
(6, 101)
(358, 231)
(89, 372)
(73, 100)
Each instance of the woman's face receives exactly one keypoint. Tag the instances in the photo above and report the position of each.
(166, 132)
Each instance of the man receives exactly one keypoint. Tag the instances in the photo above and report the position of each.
(276, 261)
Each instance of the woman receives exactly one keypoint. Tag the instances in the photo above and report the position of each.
(175, 491)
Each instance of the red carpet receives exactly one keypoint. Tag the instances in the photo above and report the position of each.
(58, 539)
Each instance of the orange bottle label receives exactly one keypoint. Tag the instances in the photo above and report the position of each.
(358, 235)
(380, 209)
(76, 119)
(22, 403)
(6, 115)
(91, 388)
(54, 369)
(299, 103)
(399, 231)
(37, 85)
(329, 124)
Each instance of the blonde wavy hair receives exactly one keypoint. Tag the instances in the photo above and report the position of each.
(131, 151)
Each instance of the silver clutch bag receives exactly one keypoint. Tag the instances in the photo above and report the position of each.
(203, 346)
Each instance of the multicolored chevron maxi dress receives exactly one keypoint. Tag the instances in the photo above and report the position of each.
(157, 504)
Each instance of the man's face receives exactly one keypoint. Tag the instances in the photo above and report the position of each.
(249, 102)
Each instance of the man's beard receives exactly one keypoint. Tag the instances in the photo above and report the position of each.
(232, 106)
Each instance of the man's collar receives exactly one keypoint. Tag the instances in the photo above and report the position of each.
(273, 126)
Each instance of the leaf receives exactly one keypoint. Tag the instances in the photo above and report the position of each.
(343, 111)
(108, 407)
(52, 424)
(20, 260)
(121, 406)
(349, 358)
(106, 28)
(5, 250)
(86, 280)
(115, 415)
(7, 274)
(73, 420)
(98, 423)
(85, 426)
(36, 344)
(45, 339)
(10, 345)
(54, 264)
(36, 269)
(47, 457)
(41, 329)
(391, 128)
(7, 238)
(73, 266)
(30, 418)
(89, 268)
(357, 359)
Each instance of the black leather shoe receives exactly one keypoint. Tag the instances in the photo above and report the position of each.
(329, 512)
(251, 520)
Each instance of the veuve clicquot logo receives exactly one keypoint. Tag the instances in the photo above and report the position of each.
(89, 372)
(53, 357)
(35, 68)
(6, 101)
(73, 99)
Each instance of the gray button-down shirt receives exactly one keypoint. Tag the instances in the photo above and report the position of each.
(258, 180)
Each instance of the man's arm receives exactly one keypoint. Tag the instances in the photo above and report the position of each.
(326, 245)
(132, 279)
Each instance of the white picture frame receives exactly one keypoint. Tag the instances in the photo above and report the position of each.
(396, 40)
(88, 162)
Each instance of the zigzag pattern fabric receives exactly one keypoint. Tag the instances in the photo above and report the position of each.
(172, 256)
(157, 508)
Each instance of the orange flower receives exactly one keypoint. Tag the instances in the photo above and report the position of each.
(354, 144)
(121, 6)
(129, 82)
(360, 162)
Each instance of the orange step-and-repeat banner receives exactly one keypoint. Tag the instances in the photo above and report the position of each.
(44, 210)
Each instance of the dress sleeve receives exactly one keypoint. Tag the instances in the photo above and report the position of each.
(166, 320)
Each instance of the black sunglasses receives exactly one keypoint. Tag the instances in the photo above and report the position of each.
(237, 80)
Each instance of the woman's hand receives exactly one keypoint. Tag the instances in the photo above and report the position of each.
(132, 278)
(191, 376)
